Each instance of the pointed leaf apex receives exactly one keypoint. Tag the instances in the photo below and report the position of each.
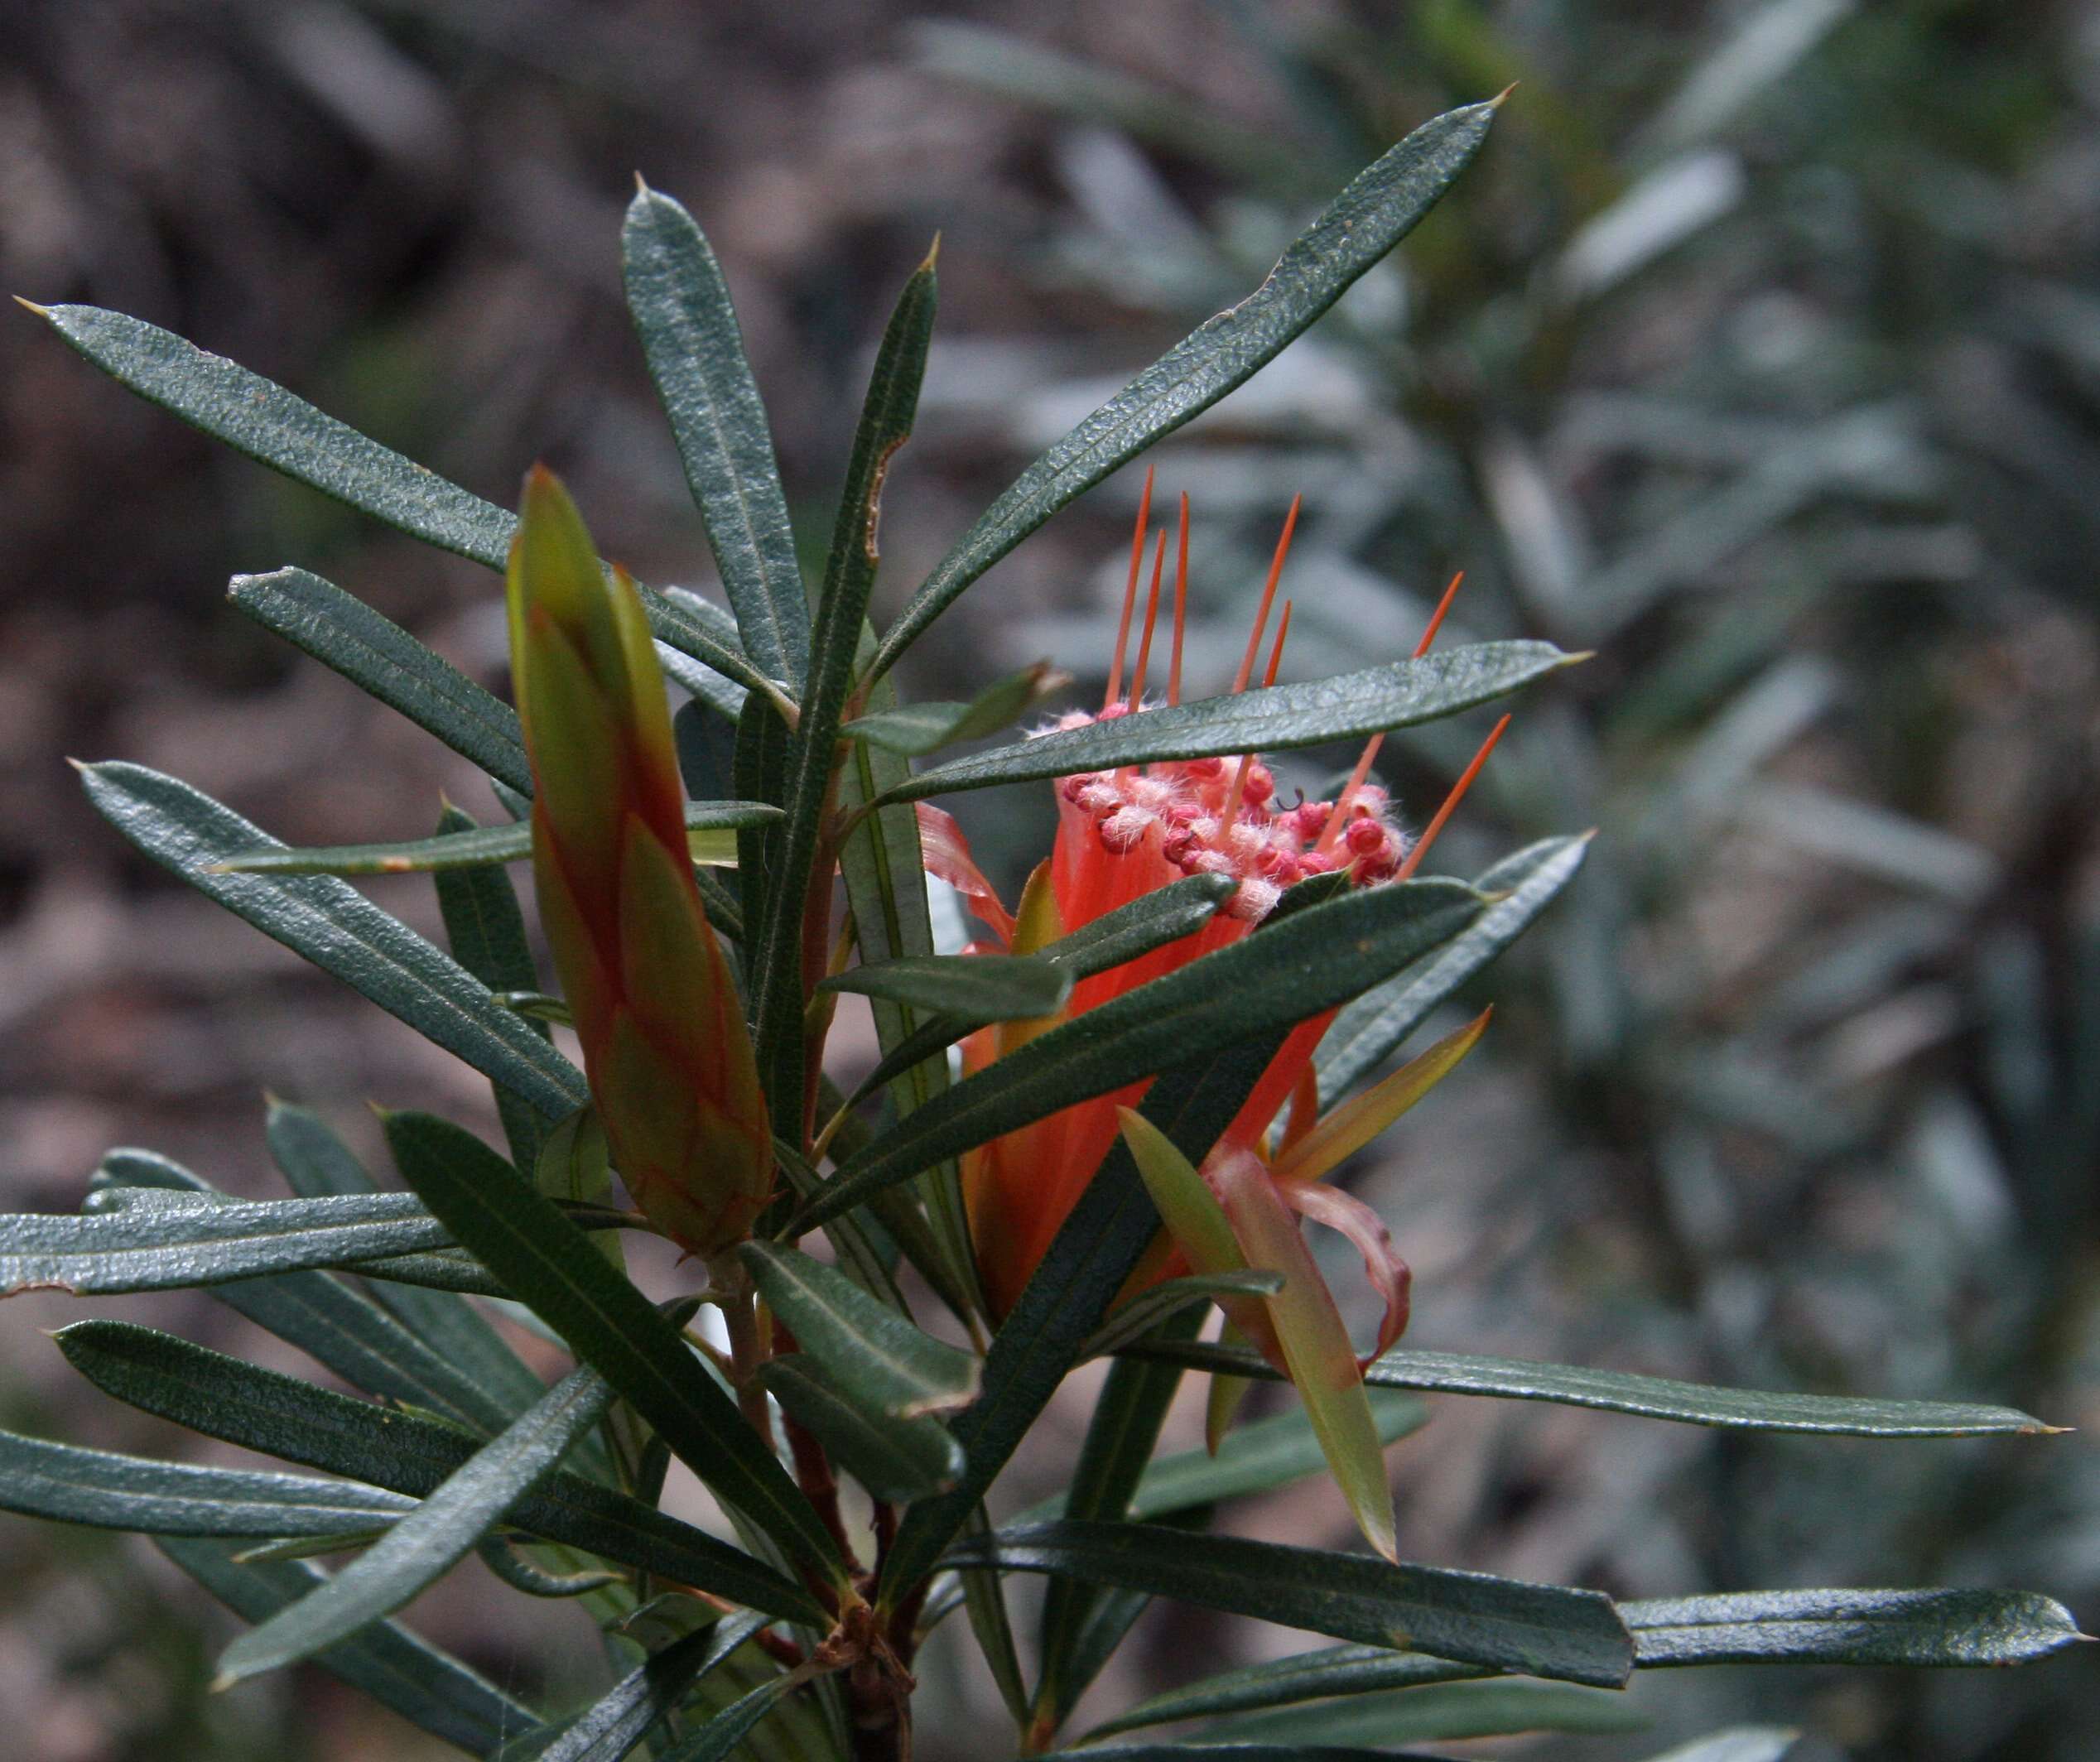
(1496, 103)
(642, 187)
(41, 311)
(932, 260)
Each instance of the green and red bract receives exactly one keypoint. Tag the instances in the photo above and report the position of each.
(664, 1040)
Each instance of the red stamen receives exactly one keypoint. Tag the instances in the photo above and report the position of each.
(1276, 654)
(1436, 617)
(1180, 604)
(1130, 589)
(1268, 598)
(1451, 802)
(1151, 617)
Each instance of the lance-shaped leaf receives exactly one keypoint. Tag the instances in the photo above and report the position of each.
(377, 656)
(1651, 1397)
(1442, 1711)
(980, 987)
(426, 1542)
(162, 1242)
(705, 822)
(1341, 1132)
(1348, 706)
(400, 1670)
(109, 1491)
(719, 1738)
(1543, 1631)
(896, 1459)
(1297, 967)
(287, 433)
(1370, 216)
(913, 730)
(780, 956)
(884, 1361)
(1148, 1309)
(404, 1453)
(681, 307)
(552, 1267)
(1244, 1223)
(1370, 1029)
(339, 930)
(618, 1719)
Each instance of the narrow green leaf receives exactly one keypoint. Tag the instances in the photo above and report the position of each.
(777, 971)
(163, 1242)
(72, 1486)
(1914, 1628)
(715, 1741)
(980, 988)
(717, 690)
(404, 1453)
(1442, 1711)
(477, 849)
(377, 655)
(429, 1688)
(507, 1561)
(761, 776)
(900, 1460)
(620, 1719)
(1378, 209)
(1146, 1311)
(315, 1162)
(1295, 968)
(339, 930)
(1652, 1397)
(1543, 1630)
(427, 1541)
(528, 1242)
(1348, 706)
(1372, 1027)
(870, 1350)
(984, 1600)
(913, 730)
(681, 307)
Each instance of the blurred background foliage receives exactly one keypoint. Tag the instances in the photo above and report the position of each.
(1759, 353)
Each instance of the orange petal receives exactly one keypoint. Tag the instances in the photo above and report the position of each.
(947, 854)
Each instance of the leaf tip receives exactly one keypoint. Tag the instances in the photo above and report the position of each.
(31, 305)
(1496, 102)
(932, 259)
(642, 189)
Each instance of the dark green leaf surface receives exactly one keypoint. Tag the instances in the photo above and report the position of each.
(979, 987)
(315, 1162)
(1446, 1711)
(1295, 968)
(160, 1242)
(1543, 1630)
(1376, 1024)
(777, 968)
(1652, 1397)
(376, 654)
(1378, 209)
(913, 730)
(404, 1453)
(72, 1485)
(1929, 1628)
(681, 307)
(895, 1459)
(724, 1731)
(1348, 706)
(428, 1541)
(622, 1717)
(339, 930)
(430, 1689)
(870, 1350)
(477, 848)
(553, 1268)
(717, 690)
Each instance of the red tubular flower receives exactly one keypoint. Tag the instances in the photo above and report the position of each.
(1121, 834)
(665, 1045)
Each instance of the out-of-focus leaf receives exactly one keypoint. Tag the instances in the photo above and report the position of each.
(1146, 1311)
(1255, 986)
(1258, 1457)
(715, 1741)
(339, 930)
(160, 1246)
(872, 1352)
(403, 1453)
(896, 1459)
(555, 1269)
(428, 1541)
(1370, 1029)
(1652, 1397)
(681, 310)
(980, 987)
(620, 1719)
(1448, 1712)
(1543, 1631)
(377, 656)
(913, 730)
(1365, 221)
(1348, 706)
(429, 1688)
(1737, 1743)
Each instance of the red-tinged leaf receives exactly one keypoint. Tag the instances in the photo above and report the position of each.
(947, 856)
(1349, 1215)
(1347, 1129)
(1316, 1345)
